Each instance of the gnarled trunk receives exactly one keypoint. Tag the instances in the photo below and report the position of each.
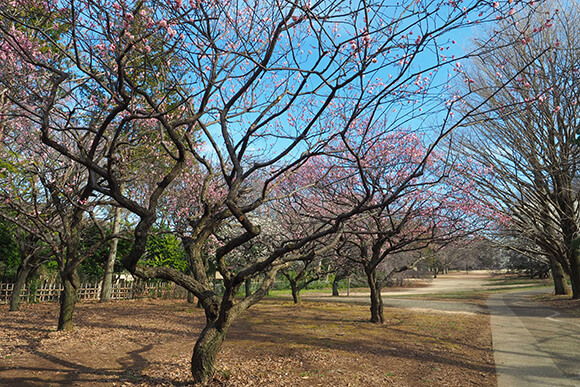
(376, 299)
(205, 352)
(220, 313)
(68, 299)
(23, 272)
(295, 292)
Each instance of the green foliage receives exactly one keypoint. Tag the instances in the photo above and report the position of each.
(9, 253)
(33, 284)
(93, 267)
(165, 250)
(282, 282)
(355, 282)
(5, 167)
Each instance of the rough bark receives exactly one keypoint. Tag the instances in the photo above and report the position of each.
(376, 299)
(575, 274)
(220, 312)
(30, 260)
(559, 277)
(335, 287)
(205, 352)
(23, 272)
(107, 285)
(295, 292)
(68, 299)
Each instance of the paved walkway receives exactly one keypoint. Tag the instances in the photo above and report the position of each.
(533, 345)
(453, 282)
(407, 303)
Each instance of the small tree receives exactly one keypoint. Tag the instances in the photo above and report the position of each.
(301, 274)
(49, 199)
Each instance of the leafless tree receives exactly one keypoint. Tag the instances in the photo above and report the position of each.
(528, 148)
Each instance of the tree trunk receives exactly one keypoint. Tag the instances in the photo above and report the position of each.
(205, 352)
(559, 277)
(575, 274)
(295, 292)
(107, 286)
(376, 299)
(23, 272)
(68, 299)
(335, 286)
(248, 286)
(190, 297)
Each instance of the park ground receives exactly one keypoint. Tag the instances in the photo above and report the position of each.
(149, 343)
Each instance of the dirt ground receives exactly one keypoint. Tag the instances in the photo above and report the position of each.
(149, 343)
(562, 304)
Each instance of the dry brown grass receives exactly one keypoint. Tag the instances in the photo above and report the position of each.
(563, 304)
(149, 343)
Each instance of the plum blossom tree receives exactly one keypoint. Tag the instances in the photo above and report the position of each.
(302, 273)
(473, 252)
(233, 99)
(43, 192)
(341, 268)
(422, 198)
(48, 198)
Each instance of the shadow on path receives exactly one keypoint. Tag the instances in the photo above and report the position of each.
(533, 345)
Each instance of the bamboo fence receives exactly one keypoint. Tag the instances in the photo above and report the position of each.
(122, 290)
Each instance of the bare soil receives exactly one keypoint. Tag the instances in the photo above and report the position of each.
(149, 343)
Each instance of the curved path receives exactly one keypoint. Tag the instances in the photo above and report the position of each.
(533, 345)
(453, 282)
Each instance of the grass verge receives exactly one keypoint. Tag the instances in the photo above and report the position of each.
(563, 304)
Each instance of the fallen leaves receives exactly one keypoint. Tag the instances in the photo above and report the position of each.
(149, 343)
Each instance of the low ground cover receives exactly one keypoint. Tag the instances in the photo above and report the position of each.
(468, 297)
(149, 343)
(514, 279)
(562, 303)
